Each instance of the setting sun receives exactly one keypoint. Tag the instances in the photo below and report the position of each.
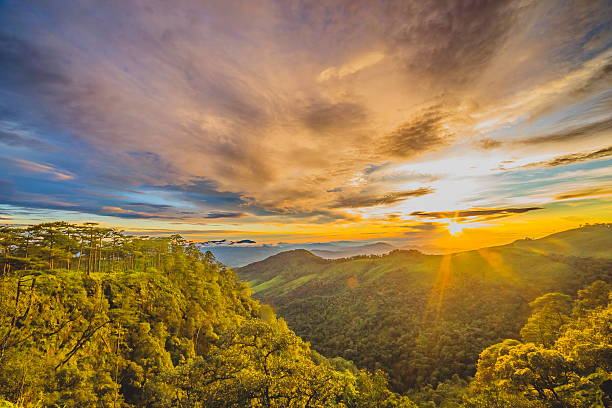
(454, 228)
(229, 203)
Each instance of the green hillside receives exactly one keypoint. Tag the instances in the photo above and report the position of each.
(587, 241)
(423, 318)
(90, 317)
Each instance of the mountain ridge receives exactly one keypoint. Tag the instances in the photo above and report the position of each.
(240, 256)
(377, 248)
(521, 243)
(400, 300)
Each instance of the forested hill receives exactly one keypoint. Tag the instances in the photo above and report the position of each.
(378, 248)
(90, 317)
(587, 241)
(423, 318)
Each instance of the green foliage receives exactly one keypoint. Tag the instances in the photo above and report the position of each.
(424, 318)
(568, 373)
(549, 313)
(567, 369)
(90, 317)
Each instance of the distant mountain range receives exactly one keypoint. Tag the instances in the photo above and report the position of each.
(378, 248)
(237, 256)
(423, 318)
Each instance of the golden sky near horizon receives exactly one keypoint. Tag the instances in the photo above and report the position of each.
(440, 125)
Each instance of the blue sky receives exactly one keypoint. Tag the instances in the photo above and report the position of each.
(299, 121)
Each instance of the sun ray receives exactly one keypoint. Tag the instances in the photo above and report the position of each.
(438, 290)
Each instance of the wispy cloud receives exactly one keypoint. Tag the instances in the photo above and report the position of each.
(572, 133)
(16, 139)
(473, 214)
(124, 212)
(219, 214)
(33, 167)
(360, 201)
(424, 133)
(351, 67)
(574, 158)
(280, 113)
(586, 193)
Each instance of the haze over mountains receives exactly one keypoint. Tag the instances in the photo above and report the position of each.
(306, 204)
(241, 255)
(424, 318)
(379, 248)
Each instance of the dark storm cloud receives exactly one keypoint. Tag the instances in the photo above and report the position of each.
(359, 201)
(200, 189)
(472, 213)
(61, 201)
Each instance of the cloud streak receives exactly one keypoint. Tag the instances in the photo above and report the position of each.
(361, 201)
(218, 214)
(573, 133)
(574, 158)
(477, 213)
(585, 193)
(33, 167)
(280, 113)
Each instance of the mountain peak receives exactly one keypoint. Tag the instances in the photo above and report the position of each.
(293, 255)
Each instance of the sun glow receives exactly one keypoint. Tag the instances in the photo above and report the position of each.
(454, 228)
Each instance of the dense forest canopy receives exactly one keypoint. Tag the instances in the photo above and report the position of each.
(562, 359)
(425, 318)
(90, 317)
(350, 174)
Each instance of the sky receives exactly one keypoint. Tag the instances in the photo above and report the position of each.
(440, 125)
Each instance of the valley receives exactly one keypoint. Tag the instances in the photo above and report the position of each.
(425, 318)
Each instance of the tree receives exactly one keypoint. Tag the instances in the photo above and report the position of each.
(549, 313)
(566, 363)
(153, 323)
